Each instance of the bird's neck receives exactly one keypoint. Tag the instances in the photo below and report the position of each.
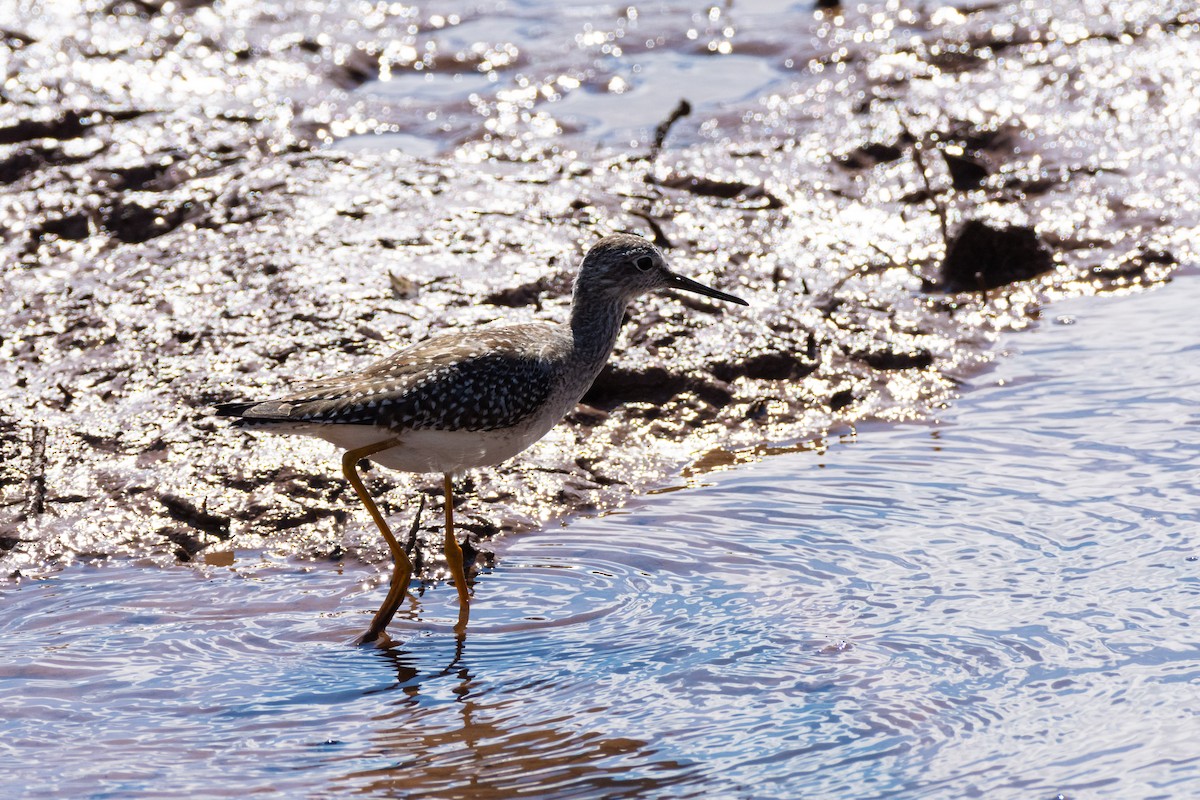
(595, 324)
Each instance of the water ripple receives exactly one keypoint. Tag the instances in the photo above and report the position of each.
(967, 609)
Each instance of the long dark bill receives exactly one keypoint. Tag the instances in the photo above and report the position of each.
(689, 285)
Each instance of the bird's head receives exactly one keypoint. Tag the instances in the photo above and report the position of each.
(623, 266)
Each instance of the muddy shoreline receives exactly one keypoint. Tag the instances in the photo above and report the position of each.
(180, 229)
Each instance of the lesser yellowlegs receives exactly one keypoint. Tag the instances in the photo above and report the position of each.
(472, 398)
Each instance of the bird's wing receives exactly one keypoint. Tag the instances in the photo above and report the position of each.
(492, 378)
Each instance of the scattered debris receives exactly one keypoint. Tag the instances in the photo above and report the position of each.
(983, 257)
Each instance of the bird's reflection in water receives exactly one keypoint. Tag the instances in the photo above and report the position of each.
(488, 746)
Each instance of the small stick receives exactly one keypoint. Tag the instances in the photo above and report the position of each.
(938, 208)
(411, 542)
(660, 238)
(37, 473)
(660, 133)
(411, 545)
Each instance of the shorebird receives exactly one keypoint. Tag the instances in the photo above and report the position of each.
(471, 398)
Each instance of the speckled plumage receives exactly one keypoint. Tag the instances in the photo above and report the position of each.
(483, 380)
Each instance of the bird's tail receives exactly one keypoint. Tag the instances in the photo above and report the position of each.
(274, 416)
(257, 414)
(233, 409)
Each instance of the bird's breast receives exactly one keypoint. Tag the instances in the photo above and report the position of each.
(454, 451)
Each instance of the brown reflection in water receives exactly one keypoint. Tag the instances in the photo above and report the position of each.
(496, 751)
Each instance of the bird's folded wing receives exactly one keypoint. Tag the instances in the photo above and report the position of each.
(492, 379)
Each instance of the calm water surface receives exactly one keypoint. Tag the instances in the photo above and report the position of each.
(1000, 604)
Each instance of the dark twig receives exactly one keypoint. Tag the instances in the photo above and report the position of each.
(870, 269)
(855, 271)
(660, 238)
(410, 545)
(938, 208)
(660, 133)
(886, 255)
(37, 473)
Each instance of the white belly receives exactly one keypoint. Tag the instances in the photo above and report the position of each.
(433, 450)
(430, 450)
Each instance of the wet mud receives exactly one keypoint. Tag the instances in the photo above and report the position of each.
(203, 203)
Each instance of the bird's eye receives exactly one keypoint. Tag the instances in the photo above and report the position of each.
(644, 263)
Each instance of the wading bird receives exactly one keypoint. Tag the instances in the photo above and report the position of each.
(471, 398)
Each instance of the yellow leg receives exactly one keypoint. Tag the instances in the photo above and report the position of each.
(401, 566)
(455, 560)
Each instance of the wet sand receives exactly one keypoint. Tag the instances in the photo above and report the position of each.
(194, 211)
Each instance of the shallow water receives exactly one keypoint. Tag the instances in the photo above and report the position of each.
(999, 604)
(591, 76)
